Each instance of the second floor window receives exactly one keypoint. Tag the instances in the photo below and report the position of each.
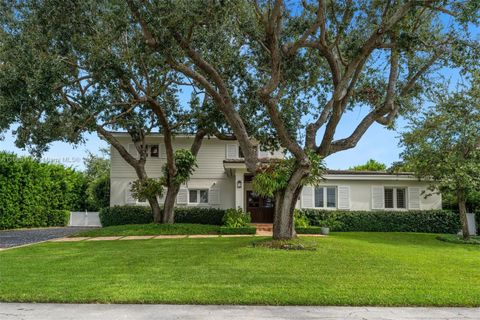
(325, 197)
(154, 150)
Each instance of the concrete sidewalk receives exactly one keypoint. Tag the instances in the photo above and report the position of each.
(41, 311)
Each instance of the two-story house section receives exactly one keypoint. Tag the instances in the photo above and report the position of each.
(222, 181)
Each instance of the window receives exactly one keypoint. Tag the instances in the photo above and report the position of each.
(326, 197)
(401, 198)
(198, 196)
(395, 198)
(154, 150)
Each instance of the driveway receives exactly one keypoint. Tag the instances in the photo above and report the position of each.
(14, 238)
(27, 311)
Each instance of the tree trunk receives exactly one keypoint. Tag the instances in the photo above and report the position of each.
(169, 204)
(462, 208)
(156, 209)
(285, 201)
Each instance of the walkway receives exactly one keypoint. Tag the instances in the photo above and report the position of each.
(192, 236)
(28, 311)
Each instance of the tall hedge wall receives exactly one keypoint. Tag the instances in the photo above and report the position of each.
(432, 221)
(34, 194)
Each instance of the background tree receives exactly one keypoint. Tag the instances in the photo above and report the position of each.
(62, 77)
(97, 173)
(306, 64)
(370, 165)
(444, 146)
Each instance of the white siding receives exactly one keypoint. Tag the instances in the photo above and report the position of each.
(360, 194)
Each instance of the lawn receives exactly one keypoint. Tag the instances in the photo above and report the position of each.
(151, 230)
(389, 269)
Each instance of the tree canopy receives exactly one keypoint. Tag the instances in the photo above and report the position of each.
(370, 165)
(443, 144)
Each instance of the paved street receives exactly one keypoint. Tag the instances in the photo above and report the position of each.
(14, 238)
(189, 312)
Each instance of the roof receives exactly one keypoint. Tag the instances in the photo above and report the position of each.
(338, 174)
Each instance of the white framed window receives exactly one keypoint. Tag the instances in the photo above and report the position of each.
(395, 197)
(326, 197)
(198, 196)
(154, 150)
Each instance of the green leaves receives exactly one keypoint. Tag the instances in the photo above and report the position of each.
(443, 144)
(185, 163)
(236, 218)
(147, 188)
(275, 176)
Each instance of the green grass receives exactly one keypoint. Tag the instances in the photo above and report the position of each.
(453, 238)
(151, 230)
(389, 269)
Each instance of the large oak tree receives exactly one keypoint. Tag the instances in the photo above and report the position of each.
(308, 63)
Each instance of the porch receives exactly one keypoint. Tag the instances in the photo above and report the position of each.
(261, 208)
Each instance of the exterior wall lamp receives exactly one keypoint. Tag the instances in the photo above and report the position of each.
(239, 184)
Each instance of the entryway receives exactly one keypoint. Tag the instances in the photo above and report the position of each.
(261, 208)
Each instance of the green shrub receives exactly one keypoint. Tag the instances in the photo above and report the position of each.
(236, 218)
(120, 215)
(30, 191)
(238, 230)
(98, 193)
(199, 215)
(58, 218)
(308, 230)
(300, 219)
(431, 221)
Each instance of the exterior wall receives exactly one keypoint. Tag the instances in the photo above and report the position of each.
(360, 193)
(209, 174)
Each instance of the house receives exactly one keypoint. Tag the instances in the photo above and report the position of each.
(222, 181)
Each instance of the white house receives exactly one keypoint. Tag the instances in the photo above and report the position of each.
(222, 181)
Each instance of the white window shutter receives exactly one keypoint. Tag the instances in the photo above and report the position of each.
(308, 197)
(129, 199)
(132, 150)
(343, 197)
(378, 197)
(161, 151)
(231, 151)
(214, 196)
(414, 198)
(182, 196)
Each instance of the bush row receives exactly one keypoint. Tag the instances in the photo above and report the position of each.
(31, 192)
(238, 230)
(431, 221)
(308, 230)
(119, 215)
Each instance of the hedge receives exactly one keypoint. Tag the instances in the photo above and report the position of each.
(308, 230)
(239, 230)
(31, 192)
(430, 221)
(119, 215)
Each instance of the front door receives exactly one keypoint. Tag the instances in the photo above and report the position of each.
(261, 208)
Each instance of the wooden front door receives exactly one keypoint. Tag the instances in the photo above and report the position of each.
(261, 208)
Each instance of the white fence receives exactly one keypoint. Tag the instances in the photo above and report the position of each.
(84, 219)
